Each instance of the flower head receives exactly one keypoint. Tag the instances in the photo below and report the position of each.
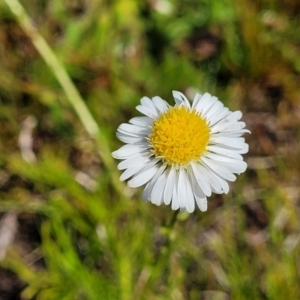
(182, 153)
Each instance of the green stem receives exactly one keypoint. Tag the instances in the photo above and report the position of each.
(166, 250)
(69, 88)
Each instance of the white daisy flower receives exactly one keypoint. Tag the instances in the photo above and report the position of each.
(182, 153)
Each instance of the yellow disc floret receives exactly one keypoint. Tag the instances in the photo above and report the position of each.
(179, 136)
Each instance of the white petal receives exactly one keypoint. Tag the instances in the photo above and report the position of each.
(135, 169)
(224, 184)
(128, 139)
(218, 169)
(134, 160)
(202, 203)
(219, 115)
(160, 104)
(175, 201)
(128, 150)
(237, 167)
(231, 133)
(205, 187)
(141, 121)
(146, 192)
(231, 142)
(219, 157)
(196, 100)
(147, 111)
(147, 102)
(133, 130)
(169, 186)
(226, 160)
(132, 171)
(218, 184)
(210, 104)
(212, 181)
(232, 165)
(244, 150)
(158, 189)
(203, 102)
(217, 106)
(195, 185)
(221, 127)
(148, 189)
(232, 117)
(142, 177)
(181, 188)
(181, 99)
(222, 151)
(190, 201)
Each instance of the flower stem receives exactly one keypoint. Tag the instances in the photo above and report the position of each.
(166, 250)
(69, 89)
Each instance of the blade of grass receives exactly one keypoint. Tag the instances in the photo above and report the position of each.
(69, 89)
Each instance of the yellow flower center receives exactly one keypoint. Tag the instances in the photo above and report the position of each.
(179, 136)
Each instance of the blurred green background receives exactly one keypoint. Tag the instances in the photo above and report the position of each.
(65, 231)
